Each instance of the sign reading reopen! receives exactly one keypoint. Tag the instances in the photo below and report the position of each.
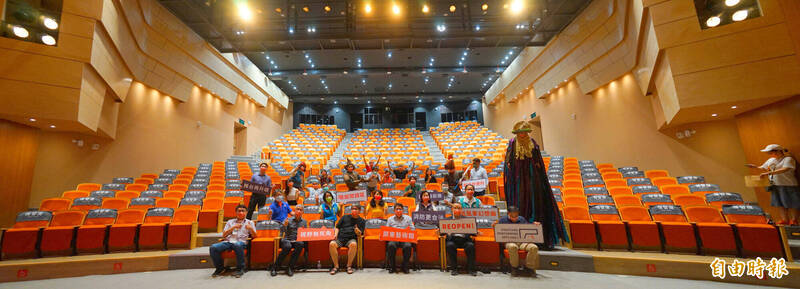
(458, 226)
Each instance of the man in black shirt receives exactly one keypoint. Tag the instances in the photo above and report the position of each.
(401, 171)
(455, 241)
(289, 241)
(348, 230)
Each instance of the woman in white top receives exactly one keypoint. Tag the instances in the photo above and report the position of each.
(780, 168)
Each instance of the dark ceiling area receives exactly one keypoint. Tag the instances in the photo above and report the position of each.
(379, 51)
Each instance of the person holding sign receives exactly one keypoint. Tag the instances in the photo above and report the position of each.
(469, 200)
(376, 209)
(259, 200)
(289, 241)
(348, 230)
(532, 259)
(329, 210)
(425, 203)
(476, 172)
(413, 188)
(455, 241)
(351, 177)
(399, 221)
(235, 235)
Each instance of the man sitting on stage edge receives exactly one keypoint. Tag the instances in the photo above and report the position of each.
(532, 259)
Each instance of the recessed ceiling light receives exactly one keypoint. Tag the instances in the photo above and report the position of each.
(714, 114)
(485, 7)
(425, 8)
(20, 32)
(734, 107)
(396, 9)
(52, 126)
(713, 21)
(731, 3)
(50, 23)
(739, 15)
(335, 102)
(452, 8)
(49, 40)
(32, 119)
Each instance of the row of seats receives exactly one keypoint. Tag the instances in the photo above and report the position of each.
(389, 144)
(468, 140)
(308, 143)
(66, 233)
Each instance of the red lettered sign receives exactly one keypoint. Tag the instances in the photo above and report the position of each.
(398, 235)
(352, 196)
(311, 234)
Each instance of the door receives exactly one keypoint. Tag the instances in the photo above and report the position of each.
(356, 121)
(420, 121)
(239, 139)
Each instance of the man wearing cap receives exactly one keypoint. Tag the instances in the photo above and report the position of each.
(780, 168)
(477, 172)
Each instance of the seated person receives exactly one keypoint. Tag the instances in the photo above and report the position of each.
(469, 200)
(387, 177)
(329, 210)
(413, 188)
(430, 177)
(399, 221)
(315, 191)
(401, 171)
(532, 259)
(289, 241)
(425, 203)
(324, 178)
(235, 235)
(455, 241)
(348, 230)
(292, 193)
(376, 208)
(351, 177)
(279, 209)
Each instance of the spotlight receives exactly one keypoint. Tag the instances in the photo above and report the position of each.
(452, 8)
(485, 7)
(517, 6)
(477, 28)
(739, 15)
(441, 28)
(368, 8)
(305, 9)
(244, 11)
(713, 21)
(52, 126)
(32, 119)
(327, 8)
(425, 8)
(731, 3)
(714, 114)
(20, 32)
(395, 9)
(49, 40)
(50, 23)
(734, 107)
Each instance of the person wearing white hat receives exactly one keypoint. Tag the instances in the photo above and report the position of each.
(780, 168)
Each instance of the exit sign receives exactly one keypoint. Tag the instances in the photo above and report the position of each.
(241, 121)
(533, 115)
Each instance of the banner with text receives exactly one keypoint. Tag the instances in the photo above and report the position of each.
(254, 188)
(311, 234)
(352, 196)
(435, 196)
(480, 185)
(398, 235)
(481, 213)
(428, 217)
(458, 226)
(518, 233)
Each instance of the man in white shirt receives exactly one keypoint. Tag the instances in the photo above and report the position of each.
(235, 236)
(399, 221)
(780, 168)
(477, 172)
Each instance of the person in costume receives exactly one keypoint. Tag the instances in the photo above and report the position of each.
(527, 187)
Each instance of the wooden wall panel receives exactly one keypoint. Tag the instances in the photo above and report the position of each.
(18, 157)
(775, 123)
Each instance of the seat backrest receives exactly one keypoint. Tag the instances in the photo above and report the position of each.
(620, 190)
(67, 218)
(213, 204)
(195, 203)
(88, 187)
(689, 200)
(703, 188)
(637, 181)
(196, 194)
(595, 191)
(100, 217)
(54, 204)
(159, 215)
(645, 189)
(599, 199)
(674, 190)
(633, 174)
(373, 226)
(74, 194)
(142, 203)
(86, 203)
(660, 181)
(486, 200)
(603, 213)
(568, 191)
(627, 200)
(33, 219)
(152, 194)
(688, 180)
(113, 187)
(575, 201)
(704, 215)
(185, 214)
(215, 194)
(157, 187)
(268, 228)
(724, 198)
(667, 213)
(656, 199)
(634, 213)
(130, 216)
(127, 194)
(122, 180)
(168, 202)
(178, 187)
(115, 203)
(174, 194)
(593, 182)
(574, 213)
(234, 194)
(746, 214)
(321, 223)
(656, 174)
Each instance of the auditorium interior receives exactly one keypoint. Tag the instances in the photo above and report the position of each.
(664, 138)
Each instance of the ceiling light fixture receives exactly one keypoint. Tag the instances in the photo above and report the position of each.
(20, 32)
(49, 40)
(731, 3)
(395, 9)
(517, 6)
(713, 21)
(327, 8)
(368, 8)
(714, 115)
(452, 8)
(52, 126)
(441, 28)
(485, 7)
(32, 119)
(739, 15)
(244, 11)
(50, 23)
(425, 8)
(305, 9)
(734, 107)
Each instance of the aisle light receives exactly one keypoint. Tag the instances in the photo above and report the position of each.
(485, 7)
(731, 3)
(452, 8)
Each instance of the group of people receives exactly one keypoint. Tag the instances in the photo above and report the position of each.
(286, 211)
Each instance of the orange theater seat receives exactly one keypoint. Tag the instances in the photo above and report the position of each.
(758, 238)
(575, 201)
(613, 234)
(91, 236)
(168, 203)
(210, 218)
(373, 249)
(20, 241)
(429, 246)
(674, 190)
(89, 187)
(719, 200)
(74, 194)
(174, 194)
(656, 174)
(57, 237)
(655, 199)
(182, 231)
(663, 181)
(263, 247)
(233, 199)
(122, 235)
(643, 231)
(153, 230)
(136, 187)
(115, 203)
(678, 234)
(487, 251)
(620, 190)
(627, 201)
(55, 204)
(128, 194)
(686, 201)
(486, 200)
(144, 181)
(581, 228)
(716, 235)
